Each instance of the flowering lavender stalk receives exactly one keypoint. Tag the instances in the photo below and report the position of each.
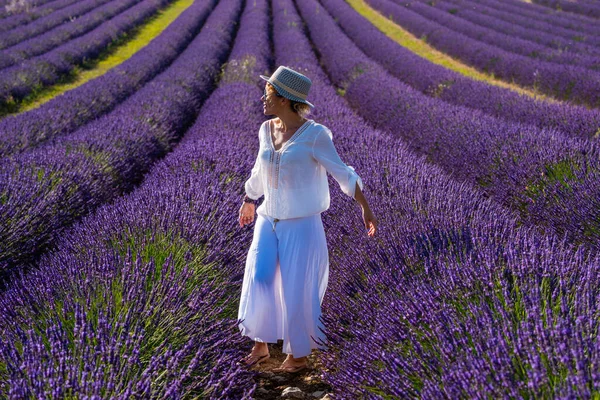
(130, 328)
(64, 114)
(48, 22)
(437, 81)
(565, 82)
(455, 300)
(157, 271)
(19, 80)
(47, 189)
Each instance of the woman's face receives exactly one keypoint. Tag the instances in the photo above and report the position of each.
(272, 101)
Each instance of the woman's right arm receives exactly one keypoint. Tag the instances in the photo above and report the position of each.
(253, 186)
(254, 189)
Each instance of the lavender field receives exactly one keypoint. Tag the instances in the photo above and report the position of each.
(121, 255)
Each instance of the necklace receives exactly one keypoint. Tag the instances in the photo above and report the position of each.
(287, 140)
(303, 121)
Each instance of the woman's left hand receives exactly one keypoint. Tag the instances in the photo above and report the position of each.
(370, 221)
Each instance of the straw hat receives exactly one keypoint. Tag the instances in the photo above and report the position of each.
(290, 84)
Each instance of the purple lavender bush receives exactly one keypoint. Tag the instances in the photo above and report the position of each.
(62, 34)
(540, 173)
(582, 7)
(35, 10)
(157, 271)
(536, 13)
(128, 328)
(565, 82)
(47, 189)
(18, 81)
(513, 23)
(48, 22)
(437, 81)
(73, 109)
(454, 299)
(443, 14)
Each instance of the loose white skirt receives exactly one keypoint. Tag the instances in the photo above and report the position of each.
(285, 278)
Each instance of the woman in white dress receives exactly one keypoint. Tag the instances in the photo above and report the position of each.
(287, 265)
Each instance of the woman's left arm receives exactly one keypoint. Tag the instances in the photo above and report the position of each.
(351, 184)
(368, 217)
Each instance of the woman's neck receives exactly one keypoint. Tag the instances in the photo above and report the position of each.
(290, 122)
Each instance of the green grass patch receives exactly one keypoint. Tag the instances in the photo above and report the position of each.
(158, 246)
(562, 172)
(117, 52)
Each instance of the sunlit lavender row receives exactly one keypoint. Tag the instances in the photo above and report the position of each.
(47, 189)
(540, 13)
(454, 300)
(44, 24)
(20, 80)
(442, 13)
(73, 109)
(552, 180)
(452, 87)
(62, 34)
(513, 23)
(588, 9)
(183, 217)
(565, 82)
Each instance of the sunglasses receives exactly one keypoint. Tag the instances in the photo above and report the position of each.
(265, 93)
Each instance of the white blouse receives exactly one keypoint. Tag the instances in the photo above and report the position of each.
(293, 179)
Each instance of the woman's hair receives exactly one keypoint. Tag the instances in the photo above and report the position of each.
(302, 109)
(299, 108)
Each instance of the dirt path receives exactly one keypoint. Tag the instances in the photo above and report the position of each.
(272, 385)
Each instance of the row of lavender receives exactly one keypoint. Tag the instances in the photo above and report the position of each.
(550, 179)
(45, 190)
(444, 13)
(452, 87)
(539, 14)
(44, 24)
(18, 81)
(75, 108)
(38, 9)
(62, 34)
(453, 300)
(169, 249)
(580, 7)
(567, 82)
(484, 14)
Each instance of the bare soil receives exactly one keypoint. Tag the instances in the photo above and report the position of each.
(271, 384)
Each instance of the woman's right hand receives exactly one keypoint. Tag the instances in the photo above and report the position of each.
(246, 213)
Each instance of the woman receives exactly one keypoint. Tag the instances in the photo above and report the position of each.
(287, 265)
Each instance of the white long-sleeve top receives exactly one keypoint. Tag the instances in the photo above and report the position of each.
(293, 179)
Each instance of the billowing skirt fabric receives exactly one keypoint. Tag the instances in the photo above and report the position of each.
(284, 283)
